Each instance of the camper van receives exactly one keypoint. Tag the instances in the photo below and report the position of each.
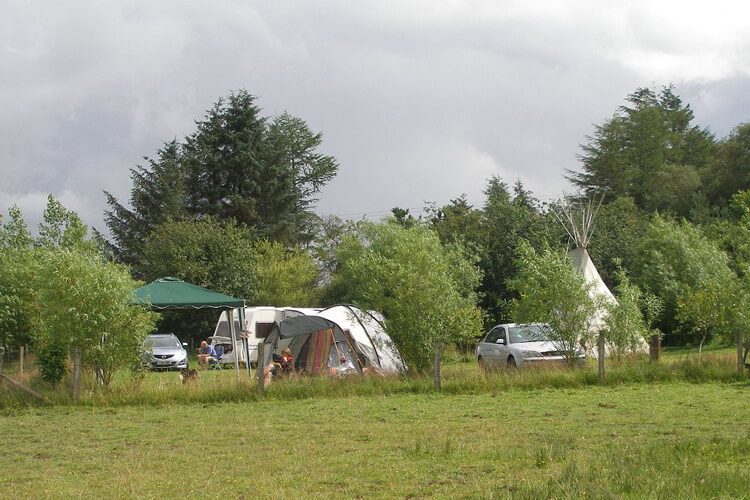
(258, 322)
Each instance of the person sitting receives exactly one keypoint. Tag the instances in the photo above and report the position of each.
(205, 352)
(287, 361)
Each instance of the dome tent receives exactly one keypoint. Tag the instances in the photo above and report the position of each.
(340, 339)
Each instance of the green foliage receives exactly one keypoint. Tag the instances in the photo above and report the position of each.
(648, 151)
(551, 291)
(674, 257)
(505, 221)
(285, 276)
(237, 165)
(730, 170)
(214, 254)
(61, 228)
(456, 221)
(86, 303)
(713, 308)
(16, 272)
(52, 358)
(63, 293)
(626, 329)
(159, 193)
(424, 289)
(618, 228)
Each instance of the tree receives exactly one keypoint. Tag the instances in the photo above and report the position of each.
(551, 291)
(237, 165)
(701, 309)
(626, 329)
(618, 229)
(673, 258)
(424, 290)
(87, 304)
(285, 276)
(159, 194)
(218, 255)
(729, 173)
(61, 228)
(649, 139)
(208, 253)
(16, 272)
(506, 220)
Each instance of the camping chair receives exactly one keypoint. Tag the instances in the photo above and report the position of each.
(215, 363)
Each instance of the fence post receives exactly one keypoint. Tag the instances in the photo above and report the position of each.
(740, 368)
(2, 358)
(600, 352)
(655, 348)
(436, 376)
(20, 360)
(259, 368)
(76, 375)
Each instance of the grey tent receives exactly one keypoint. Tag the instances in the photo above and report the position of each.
(338, 340)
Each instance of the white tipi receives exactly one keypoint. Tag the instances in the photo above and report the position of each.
(580, 230)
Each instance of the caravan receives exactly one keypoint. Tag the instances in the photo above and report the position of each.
(257, 323)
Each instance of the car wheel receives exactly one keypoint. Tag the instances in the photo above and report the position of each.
(512, 362)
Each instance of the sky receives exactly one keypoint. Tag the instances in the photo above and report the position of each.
(419, 101)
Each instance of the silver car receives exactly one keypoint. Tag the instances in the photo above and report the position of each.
(515, 345)
(164, 351)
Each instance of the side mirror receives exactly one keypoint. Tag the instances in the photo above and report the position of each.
(500, 341)
(184, 344)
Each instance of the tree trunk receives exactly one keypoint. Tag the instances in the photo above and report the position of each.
(700, 349)
(436, 363)
(601, 355)
(20, 360)
(76, 375)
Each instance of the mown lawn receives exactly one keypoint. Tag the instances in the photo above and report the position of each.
(636, 440)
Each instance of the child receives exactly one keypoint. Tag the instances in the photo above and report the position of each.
(287, 361)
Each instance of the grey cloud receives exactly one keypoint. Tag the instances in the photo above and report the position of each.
(417, 105)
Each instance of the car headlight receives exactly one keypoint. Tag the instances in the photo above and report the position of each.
(531, 354)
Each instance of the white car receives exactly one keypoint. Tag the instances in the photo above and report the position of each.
(515, 345)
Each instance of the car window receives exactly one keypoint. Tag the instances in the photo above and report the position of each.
(526, 333)
(495, 334)
(162, 342)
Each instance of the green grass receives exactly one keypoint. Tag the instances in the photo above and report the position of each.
(673, 440)
(157, 389)
(676, 429)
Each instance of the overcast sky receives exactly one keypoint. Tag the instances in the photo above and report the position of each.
(420, 101)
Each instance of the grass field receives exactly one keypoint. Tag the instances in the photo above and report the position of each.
(525, 434)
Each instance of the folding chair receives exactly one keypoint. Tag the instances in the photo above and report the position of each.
(215, 363)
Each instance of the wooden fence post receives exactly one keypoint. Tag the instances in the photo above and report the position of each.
(436, 375)
(655, 348)
(259, 368)
(20, 360)
(76, 374)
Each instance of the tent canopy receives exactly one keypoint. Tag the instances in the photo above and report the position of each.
(173, 293)
(303, 325)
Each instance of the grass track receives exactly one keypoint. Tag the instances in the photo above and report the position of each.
(673, 440)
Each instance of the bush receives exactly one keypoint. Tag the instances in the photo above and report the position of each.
(51, 358)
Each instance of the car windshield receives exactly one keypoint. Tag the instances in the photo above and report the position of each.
(162, 341)
(528, 333)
